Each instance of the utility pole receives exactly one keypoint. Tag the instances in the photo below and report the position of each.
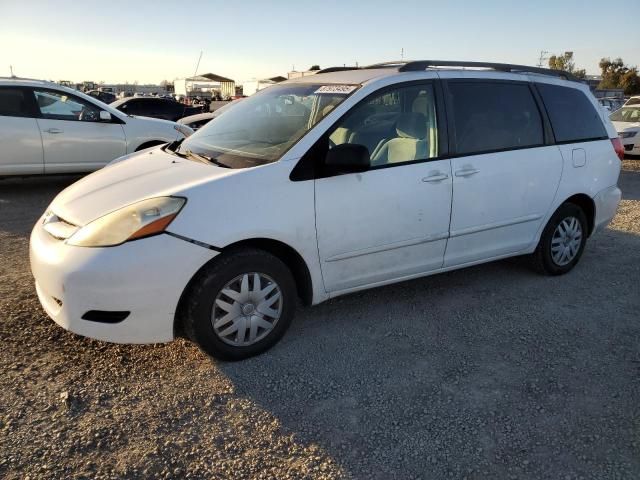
(402, 54)
(543, 58)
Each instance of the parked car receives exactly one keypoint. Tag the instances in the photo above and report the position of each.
(610, 104)
(195, 122)
(394, 172)
(155, 108)
(633, 101)
(627, 123)
(105, 97)
(47, 128)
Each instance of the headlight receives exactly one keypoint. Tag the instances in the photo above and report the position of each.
(183, 129)
(142, 219)
(628, 134)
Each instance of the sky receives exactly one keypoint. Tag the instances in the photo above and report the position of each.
(124, 41)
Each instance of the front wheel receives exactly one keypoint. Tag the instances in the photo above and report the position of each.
(240, 305)
(562, 241)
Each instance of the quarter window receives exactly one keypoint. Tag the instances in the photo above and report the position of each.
(13, 103)
(397, 126)
(494, 116)
(56, 105)
(573, 117)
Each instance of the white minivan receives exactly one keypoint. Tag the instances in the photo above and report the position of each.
(47, 128)
(324, 185)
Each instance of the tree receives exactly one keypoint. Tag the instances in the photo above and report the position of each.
(565, 62)
(615, 74)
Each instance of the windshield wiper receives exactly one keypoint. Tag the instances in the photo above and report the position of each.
(202, 158)
(173, 146)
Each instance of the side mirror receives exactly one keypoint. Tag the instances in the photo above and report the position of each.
(348, 158)
(105, 116)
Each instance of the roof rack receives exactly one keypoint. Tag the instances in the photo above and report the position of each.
(394, 64)
(337, 69)
(417, 65)
(501, 67)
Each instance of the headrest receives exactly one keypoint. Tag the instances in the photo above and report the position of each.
(326, 110)
(421, 104)
(412, 125)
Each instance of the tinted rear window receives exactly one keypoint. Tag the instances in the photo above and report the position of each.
(13, 103)
(492, 116)
(573, 117)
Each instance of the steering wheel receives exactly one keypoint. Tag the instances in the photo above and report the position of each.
(88, 115)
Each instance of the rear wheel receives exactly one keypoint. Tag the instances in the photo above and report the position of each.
(240, 305)
(562, 242)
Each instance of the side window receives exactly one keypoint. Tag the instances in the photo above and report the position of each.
(490, 116)
(56, 105)
(573, 117)
(13, 103)
(132, 107)
(397, 126)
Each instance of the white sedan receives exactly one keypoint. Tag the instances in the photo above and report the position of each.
(46, 128)
(627, 123)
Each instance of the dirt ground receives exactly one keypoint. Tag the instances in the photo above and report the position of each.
(485, 373)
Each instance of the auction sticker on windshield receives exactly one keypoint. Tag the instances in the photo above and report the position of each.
(336, 89)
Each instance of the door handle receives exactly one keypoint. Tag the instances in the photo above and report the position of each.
(437, 177)
(54, 130)
(466, 172)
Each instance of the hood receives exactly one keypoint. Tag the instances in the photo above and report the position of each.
(626, 126)
(153, 173)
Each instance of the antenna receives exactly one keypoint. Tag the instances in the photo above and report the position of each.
(543, 58)
(184, 110)
(11, 70)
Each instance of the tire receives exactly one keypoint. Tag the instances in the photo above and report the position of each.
(247, 311)
(548, 258)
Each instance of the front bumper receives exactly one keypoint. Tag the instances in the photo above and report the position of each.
(144, 277)
(631, 148)
(606, 202)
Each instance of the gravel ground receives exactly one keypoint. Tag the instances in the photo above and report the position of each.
(490, 372)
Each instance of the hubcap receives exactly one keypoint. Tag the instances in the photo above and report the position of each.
(246, 309)
(566, 241)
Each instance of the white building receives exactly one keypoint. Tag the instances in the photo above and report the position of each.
(252, 86)
(205, 85)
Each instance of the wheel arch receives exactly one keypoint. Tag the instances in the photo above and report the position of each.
(287, 254)
(588, 206)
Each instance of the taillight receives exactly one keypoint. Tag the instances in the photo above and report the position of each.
(618, 147)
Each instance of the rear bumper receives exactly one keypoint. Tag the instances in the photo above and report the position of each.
(606, 202)
(145, 278)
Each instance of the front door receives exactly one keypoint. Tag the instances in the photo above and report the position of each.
(391, 221)
(20, 142)
(73, 137)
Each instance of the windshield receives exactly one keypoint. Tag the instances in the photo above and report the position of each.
(626, 114)
(261, 128)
